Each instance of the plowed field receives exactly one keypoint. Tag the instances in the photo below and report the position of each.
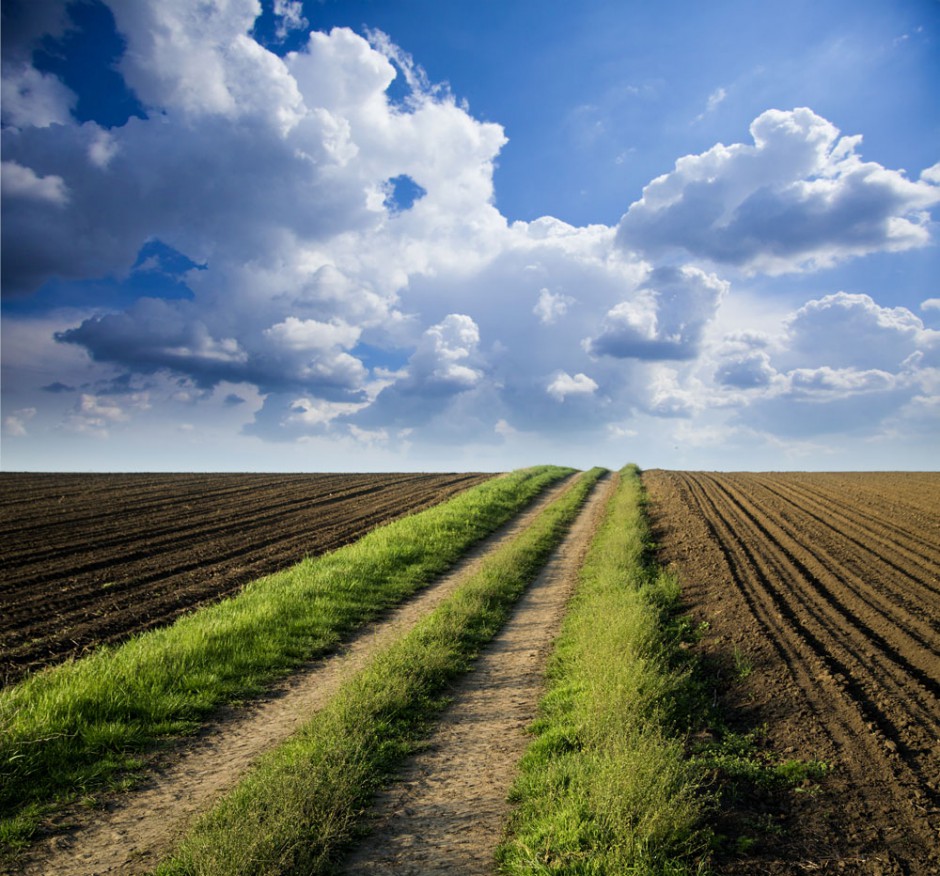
(829, 586)
(88, 559)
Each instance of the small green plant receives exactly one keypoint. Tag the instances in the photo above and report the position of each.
(743, 666)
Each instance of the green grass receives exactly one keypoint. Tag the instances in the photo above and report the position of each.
(747, 782)
(70, 730)
(606, 786)
(298, 808)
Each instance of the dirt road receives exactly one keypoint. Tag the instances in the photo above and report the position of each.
(445, 814)
(137, 829)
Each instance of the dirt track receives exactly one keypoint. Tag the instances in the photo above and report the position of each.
(131, 832)
(829, 585)
(446, 812)
(88, 559)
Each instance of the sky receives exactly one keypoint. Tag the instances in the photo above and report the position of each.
(367, 235)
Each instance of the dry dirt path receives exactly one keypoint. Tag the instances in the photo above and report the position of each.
(446, 811)
(137, 829)
(829, 586)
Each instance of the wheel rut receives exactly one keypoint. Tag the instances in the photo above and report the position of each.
(445, 812)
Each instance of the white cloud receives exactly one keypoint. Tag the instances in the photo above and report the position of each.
(102, 149)
(340, 319)
(931, 174)
(94, 415)
(551, 306)
(665, 320)
(439, 361)
(24, 182)
(564, 385)
(798, 198)
(840, 363)
(29, 98)
(747, 371)
(189, 57)
(290, 16)
(716, 98)
(309, 335)
(14, 424)
(852, 330)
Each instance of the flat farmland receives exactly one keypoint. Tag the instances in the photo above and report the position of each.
(826, 590)
(88, 559)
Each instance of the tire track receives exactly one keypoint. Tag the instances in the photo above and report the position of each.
(445, 813)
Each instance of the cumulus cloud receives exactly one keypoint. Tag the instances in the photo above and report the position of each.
(95, 415)
(747, 371)
(564, 385)
(29, 98)
(24, 183)
(799, 197)
(340, 262)
(852, 330)
(841, 363)
(290, 17)
(156, 334)
(665, 320)
(443, 366)
(551, 306)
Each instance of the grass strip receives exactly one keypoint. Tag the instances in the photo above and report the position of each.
(71, 729)
(606, 786)
(298, 809)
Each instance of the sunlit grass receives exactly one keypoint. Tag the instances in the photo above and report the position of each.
(606, 786)
(297, 810)
(71, 729)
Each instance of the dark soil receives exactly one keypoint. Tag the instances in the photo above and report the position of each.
(828, 587)
(89, 559)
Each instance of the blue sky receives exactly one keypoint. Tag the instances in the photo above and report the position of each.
(424, 235)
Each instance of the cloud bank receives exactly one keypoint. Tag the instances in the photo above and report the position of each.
(345, 263)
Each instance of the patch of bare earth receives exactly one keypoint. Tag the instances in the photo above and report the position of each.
(446, 811)
(94, 558)
(828, 585)
(131, 832)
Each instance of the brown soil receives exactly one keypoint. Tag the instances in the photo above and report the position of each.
(129, 833)
(89, 559)
(828, 585)
(445, 813)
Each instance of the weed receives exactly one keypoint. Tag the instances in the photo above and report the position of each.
(743, 666)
